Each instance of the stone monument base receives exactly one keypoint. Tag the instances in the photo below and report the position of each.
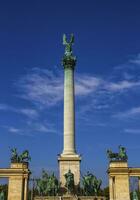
(119, 180)
(18, 181)
(71, 162)
(70, 198)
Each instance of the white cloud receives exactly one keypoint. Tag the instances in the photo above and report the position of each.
(5, 107)
(136, 60)
(132, 131)
(28, 112)
(45, 88)
(128, 76)
(14, 130)
(122, 85)
(134, 111)
(129, 113)
(86, 84)
(30, 128)
(41, 127)
(42, 87)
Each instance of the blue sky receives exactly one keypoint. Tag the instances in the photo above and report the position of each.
(107, 78)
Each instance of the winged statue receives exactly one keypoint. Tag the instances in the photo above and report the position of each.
(68, 45)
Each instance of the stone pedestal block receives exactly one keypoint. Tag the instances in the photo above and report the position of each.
(18, 181)
(71, 162)
(15, 186)
(119, 181)
(70, 198)
(19, 165)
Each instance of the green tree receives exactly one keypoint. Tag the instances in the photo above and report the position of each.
(105, 192)
(4, 188)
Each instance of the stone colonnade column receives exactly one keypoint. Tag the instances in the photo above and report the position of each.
(139, 184)
(25, 188)
(111, 188)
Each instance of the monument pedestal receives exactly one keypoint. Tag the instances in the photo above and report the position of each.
(119, 181)
(71, 162)
(18, 181)
(70, 198)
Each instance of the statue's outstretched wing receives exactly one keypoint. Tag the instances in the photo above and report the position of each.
(72, 38)
(64, 39)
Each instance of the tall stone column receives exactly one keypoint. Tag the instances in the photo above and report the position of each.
(69, 159)
(69, 112)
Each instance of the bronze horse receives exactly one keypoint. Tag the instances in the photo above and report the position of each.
(121, 156)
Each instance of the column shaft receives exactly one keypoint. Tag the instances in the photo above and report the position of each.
(69, 113)
(26, 188)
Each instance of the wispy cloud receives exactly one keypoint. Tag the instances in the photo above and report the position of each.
(28, 112)
(44, 88)
(30, 129)
(14, 130)
(41, 127)
(132, 131)
(136, 60)
(121, 86)
(87, 84)
(31, 126)
(128, 113)
(5, 107)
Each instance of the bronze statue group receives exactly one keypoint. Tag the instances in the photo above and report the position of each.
(49, 185)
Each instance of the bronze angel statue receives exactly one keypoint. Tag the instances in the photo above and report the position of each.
(68, 45)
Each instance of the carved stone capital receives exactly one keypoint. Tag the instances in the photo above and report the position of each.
(69, 62)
